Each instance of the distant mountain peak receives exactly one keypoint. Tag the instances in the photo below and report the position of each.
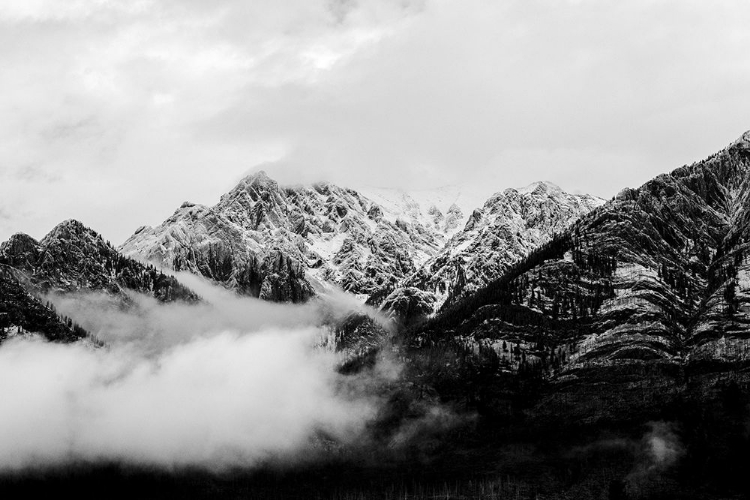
(70, 223)
(257, 178)
(256, 182)
(509, 225)
(658, 274)
(70, 227)
(366, 242)
(540, 188)
(73, 257)
(22, 237)
(743, 142)
(19, 250)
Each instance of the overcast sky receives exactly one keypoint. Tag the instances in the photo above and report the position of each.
(114, 112)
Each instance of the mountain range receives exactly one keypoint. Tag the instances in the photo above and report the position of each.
(71, 258)
(566, 290)
(641, 304)
(285, 243)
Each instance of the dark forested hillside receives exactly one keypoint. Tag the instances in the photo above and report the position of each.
(73, 257)
(22, 312)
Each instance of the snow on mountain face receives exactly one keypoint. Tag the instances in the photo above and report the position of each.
(443, 209)
(281, 243)
(278, 243)
(509, 225)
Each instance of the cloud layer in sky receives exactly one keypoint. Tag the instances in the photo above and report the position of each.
(115, 111)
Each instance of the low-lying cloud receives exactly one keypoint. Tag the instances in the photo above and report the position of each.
(149, 325)
(231, 382)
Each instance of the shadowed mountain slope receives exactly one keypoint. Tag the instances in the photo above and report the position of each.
(658, 275)
(22, 312)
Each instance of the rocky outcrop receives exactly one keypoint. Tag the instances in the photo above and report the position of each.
(638, 312)
(408, 305)
(504, 230)
(659, 274)
(73, 257)
(279, 243)
(21, 250)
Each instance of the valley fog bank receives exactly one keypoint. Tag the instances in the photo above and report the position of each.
(230, 382)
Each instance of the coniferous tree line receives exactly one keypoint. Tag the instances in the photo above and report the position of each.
(29, 314)
(77, 257)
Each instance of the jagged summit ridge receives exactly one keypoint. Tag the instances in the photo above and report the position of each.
(282, 242)
(446, 208)
(743, 142)
(506, 228)
(279, 243)
(73, 257)
(540, 187)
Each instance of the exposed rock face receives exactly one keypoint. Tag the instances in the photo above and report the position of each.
(743, 143)
(505, 229)
(73, 257)
(659, 274)
(441, 210)
(280, 243)
(276, 242)
(409, 304)
(639, 310)
(21, 250)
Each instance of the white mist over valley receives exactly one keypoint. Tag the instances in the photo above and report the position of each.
(226, 383)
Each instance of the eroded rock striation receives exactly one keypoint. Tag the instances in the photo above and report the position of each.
(650, 285)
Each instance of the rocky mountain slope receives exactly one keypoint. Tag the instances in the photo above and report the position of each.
(278, 243)
(509, 226)
(650, 283)
(443, 210)
(282, 243)
(73, 257)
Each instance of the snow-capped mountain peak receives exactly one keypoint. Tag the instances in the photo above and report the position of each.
(444, 209)
(540, 188)
(273, 241)
(276, 242)
(509, 225)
